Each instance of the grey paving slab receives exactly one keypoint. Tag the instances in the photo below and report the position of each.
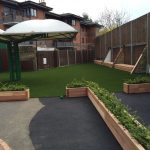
(139, 103)
(15, 118)
(54, 124)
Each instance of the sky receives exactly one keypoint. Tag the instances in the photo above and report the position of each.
(134, 8)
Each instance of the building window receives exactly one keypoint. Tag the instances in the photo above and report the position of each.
(73, 22)
(33, 12)
(7, 11)
(30, 12)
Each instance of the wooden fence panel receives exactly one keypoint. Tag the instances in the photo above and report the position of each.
(115, 37)
(127, 55)
(139, 29)
(63, 59)
(78, 57)
(126, 33)
(98, 49)
(108, 40)
(132, 36)
(103, 49)
(85, 56)
(71, 57)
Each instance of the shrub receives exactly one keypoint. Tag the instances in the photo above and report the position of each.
(12, 86)
(120, 111)
(138, 80)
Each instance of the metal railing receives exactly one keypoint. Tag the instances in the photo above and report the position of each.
(64, 44)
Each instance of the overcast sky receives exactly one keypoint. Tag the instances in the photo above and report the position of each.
(93, 8)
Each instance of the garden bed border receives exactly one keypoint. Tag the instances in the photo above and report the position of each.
(136, 88)
(14, 95)
(120, 133)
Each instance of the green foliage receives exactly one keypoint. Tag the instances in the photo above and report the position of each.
(138, 80)
(76, 83)
(12, 86)
(120, 111)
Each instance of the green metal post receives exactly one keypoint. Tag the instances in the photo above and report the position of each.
(11, 62)
(17, 62)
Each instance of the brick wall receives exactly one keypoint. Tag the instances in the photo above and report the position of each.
(1, 15)
(78, 36)
(40, 14)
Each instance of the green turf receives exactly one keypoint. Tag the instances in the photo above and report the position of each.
(52, 82)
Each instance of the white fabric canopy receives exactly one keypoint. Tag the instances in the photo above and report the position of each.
(42, 29)
(39, 26)
(1, 31)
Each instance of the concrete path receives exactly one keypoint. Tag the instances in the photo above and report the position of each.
(54, 124)
(15, 118)
(139, 103)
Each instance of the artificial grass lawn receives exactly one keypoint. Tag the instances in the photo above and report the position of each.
(52, 82)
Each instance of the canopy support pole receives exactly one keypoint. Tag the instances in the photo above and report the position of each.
(11, 62)
(14, 62)
(17, 62)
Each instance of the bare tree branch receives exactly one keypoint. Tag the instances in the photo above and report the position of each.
(111, 19)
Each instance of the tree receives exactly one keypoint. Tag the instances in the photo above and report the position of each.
(111, 19)
(86, 17)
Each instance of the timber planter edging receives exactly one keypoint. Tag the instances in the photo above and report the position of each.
(14, 95)
(4, 145)
(122, 135)
(136, 88)
(76, 92)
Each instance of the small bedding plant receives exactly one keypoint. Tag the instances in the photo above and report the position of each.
(12, 86)
(138, 80)
(119, 110)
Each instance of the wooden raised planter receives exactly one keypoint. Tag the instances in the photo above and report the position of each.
(3, 145)
(136, 88)
(122, 135)
(76, 92)
(14, 95)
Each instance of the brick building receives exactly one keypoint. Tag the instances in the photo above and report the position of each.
(13, 12)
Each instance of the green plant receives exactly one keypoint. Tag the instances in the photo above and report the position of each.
(138, 80)
(12, 86)
(120, 111)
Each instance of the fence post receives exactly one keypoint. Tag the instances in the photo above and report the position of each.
(99, 48)
(147, 63)
(75, 56)
(68, 57)
(131, 34)
(105, 45)
(111, 45)
(87, 56)
(58, 58)
(120, 37)
(81, 56)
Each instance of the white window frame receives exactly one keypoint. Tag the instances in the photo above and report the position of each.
(73, 22)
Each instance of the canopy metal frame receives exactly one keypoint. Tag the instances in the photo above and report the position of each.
(13, 40)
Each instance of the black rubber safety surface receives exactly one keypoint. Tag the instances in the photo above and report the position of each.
(139, 103)
(70, 124)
